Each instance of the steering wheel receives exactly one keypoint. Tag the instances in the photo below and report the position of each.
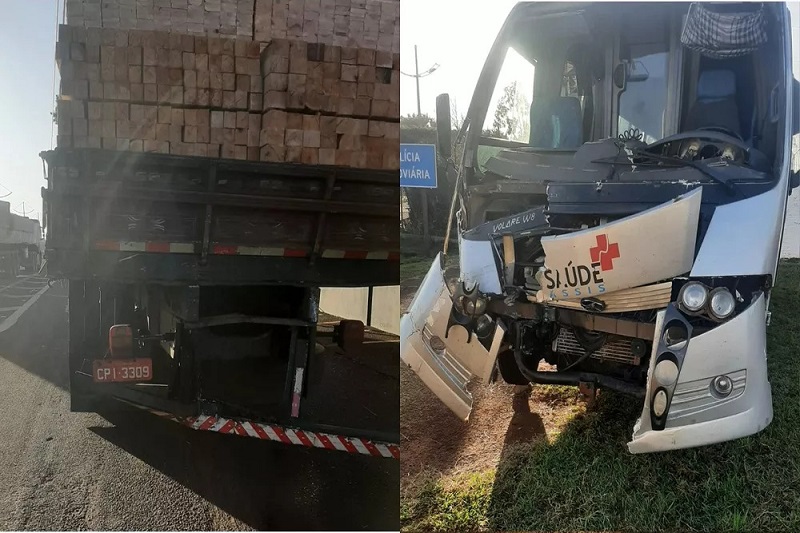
(722, 129)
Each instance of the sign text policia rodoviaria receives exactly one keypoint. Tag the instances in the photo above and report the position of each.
(418, 166)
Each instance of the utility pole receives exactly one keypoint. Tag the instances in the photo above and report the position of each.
(417, 75)
(416, 78)
(426, 234)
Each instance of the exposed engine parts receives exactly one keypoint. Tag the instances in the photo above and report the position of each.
(469, 306)
(570, 340)
(622, 350)
(700, 150)
(565, 292)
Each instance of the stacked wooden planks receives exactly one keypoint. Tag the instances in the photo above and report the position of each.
(213, 95)
(330, 105)
(204, 17)
(371, 24)
(157, 91)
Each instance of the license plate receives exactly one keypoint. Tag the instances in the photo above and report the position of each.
(122, 370)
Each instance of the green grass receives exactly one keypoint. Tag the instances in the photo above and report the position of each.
(416, 266)
(462, 505)
(586, 479)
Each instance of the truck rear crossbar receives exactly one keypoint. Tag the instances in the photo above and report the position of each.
(221, 249)
(286, 435)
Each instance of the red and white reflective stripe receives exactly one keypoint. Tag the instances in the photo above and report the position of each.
(309, 439)
(354, 254)
(146, 246)
(223, 249)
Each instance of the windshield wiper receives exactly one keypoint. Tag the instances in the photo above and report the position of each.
(669, 161)
(700, 167)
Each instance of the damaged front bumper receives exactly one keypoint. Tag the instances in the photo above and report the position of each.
(697, 416)
(444, 359)
(628, 266)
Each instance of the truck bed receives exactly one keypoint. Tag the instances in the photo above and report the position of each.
(157, 218)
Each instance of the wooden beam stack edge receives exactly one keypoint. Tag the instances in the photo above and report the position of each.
(330, 105)
(188, 93)
(355, 23)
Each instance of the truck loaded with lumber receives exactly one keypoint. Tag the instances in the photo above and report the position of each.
(208, 180)
(21, 243)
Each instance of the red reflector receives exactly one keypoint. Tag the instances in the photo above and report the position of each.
(224, 250)
(294, 253)
(107, 245)
(350, 254)
(120, 341)
(162, 247)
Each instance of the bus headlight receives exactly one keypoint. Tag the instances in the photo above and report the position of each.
(693, 296)
(469, 301)
(483, 326)
(722, 303)
(473, 307)
(660, 403)
(722, 385)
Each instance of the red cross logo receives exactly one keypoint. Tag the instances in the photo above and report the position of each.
(604, 253)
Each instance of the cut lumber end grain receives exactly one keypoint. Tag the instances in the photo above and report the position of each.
(167, 91)
(273, 153)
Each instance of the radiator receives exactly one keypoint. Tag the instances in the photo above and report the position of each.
(618, 350)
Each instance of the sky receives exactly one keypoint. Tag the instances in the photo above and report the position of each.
(456, 34)
(27, 52)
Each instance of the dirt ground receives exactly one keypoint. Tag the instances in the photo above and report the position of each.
(434, 440)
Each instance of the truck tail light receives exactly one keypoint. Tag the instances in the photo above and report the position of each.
(120, 341)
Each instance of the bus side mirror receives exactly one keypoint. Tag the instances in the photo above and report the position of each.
(443, 128)
(794, 167)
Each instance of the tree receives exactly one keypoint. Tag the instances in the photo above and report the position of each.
(423, 121)
(54, 113)
(511, 116)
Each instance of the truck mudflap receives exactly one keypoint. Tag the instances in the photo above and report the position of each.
(696, 416)
(444, 359)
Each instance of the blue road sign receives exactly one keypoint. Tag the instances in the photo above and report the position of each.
(418, 166)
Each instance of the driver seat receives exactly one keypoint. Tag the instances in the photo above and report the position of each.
(556, 123)
(715, 105)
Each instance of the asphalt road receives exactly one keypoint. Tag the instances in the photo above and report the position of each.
(131, 470)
